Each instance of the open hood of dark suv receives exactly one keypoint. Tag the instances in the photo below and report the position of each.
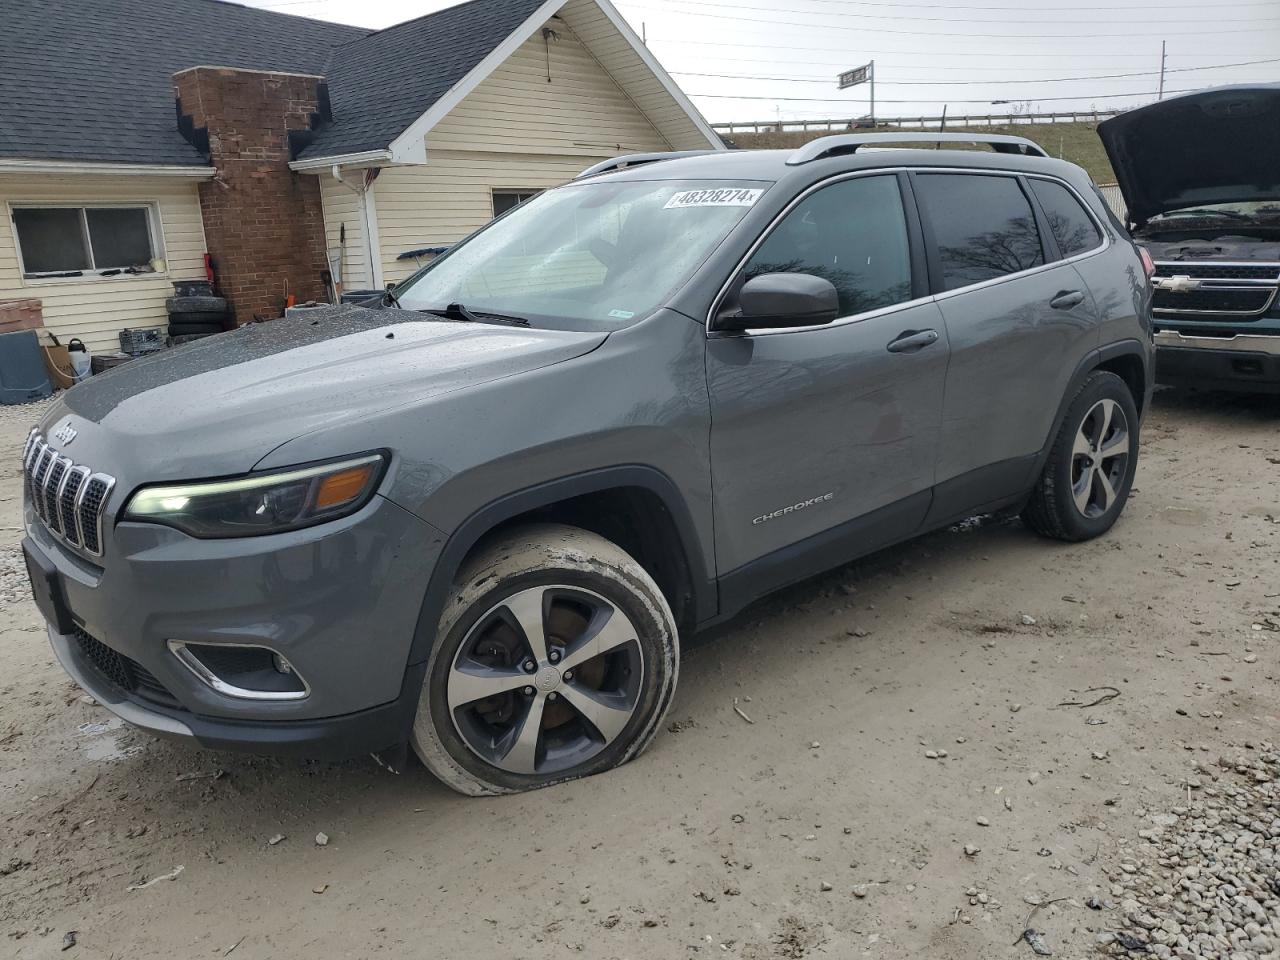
(1215, 146)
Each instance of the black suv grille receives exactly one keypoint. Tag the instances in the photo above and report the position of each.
(1209, 290)
(128, 675)
(1242, 302)
(1209, 270)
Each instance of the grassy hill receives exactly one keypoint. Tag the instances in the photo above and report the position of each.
(1077, 142)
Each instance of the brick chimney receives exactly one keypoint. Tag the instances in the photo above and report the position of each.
(262, 222)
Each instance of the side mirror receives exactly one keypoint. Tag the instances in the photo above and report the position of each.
(783, 300)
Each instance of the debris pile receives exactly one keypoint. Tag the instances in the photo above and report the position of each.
(1205, 882)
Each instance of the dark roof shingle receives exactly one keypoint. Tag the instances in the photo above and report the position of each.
(90, 80)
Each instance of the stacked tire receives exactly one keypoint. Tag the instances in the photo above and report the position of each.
(197, 315)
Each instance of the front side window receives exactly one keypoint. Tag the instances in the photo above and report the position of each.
(1074, 229)
(983, 226)
(853, 233)
(586, 255)
(57, 241)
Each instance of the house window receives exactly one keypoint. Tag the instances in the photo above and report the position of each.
(504, 200)
(72, 241)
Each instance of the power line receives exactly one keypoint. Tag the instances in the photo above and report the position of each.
(929, 19)
(936, 83)
(918, 34)
(1039, 55)
(1104, 96)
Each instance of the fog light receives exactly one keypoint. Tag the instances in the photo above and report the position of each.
(243, 671)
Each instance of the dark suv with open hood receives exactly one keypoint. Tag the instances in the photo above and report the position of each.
(1201, 179)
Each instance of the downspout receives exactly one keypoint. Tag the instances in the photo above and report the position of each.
(369, 218)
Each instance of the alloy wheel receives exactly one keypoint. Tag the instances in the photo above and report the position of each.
(1099, 458)
(545, 680)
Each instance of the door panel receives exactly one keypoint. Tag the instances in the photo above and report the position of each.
(803, 415)
(818, 426)
(1016, 326)
(1011, 357)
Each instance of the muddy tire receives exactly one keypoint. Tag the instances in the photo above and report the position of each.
(556, 658)
(1087, 478)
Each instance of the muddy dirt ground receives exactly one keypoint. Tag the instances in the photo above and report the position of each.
(827, 827)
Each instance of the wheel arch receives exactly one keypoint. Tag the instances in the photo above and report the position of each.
(1127, 359)
(637, 507)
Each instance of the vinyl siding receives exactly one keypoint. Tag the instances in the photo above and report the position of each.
(341, 205)
(581, 111)
(96, 309)
(646, 91)
(514, 131)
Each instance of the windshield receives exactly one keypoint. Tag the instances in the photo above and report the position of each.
(593, 254)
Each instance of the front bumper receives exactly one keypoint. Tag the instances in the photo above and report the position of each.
(329, 738)
(1244, 362)
(340, 601)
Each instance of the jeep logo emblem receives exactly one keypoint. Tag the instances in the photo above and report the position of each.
(65, 433)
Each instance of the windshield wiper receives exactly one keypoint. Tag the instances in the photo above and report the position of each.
(458, 311)
(1198, 213)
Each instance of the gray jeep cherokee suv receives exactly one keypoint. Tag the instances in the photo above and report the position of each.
(477, 521)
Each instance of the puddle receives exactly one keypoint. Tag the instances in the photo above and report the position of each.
(104, 740)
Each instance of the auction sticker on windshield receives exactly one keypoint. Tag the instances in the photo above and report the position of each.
(724, 197)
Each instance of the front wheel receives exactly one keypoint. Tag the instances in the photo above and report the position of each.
(556, 658)
(1089, 473)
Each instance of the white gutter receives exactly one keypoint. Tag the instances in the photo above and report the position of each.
(369, 158)
(77, 168)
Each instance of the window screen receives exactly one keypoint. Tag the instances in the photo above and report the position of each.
(119, 237)
(56, 240)
(52, 240)
(1072, 227)
(983, 226)
(504, 200)
(853, 233)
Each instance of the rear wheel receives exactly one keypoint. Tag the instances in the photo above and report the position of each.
(1086, 481)
(555, 659)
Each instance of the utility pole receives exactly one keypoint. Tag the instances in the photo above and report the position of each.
(644, 33)
(1160, 94)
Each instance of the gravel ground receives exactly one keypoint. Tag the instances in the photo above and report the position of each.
(1204, 880)
(960, 740)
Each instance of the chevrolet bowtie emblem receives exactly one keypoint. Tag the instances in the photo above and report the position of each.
(1178, 284)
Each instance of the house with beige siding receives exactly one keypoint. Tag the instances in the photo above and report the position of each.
(287, 158)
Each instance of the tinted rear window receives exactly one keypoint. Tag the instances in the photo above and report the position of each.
(1072, 227)
(983, 226)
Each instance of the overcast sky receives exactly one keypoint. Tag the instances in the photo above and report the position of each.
(772, 59)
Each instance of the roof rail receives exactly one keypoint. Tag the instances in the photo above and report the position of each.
(637, 159)
(847, 143)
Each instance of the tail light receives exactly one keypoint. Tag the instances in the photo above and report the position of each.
(1148, 265)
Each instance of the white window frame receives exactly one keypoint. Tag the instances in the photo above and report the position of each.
(155, 229)
(528, 193)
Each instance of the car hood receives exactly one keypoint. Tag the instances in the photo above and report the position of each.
(1215, 146)
(219, 405)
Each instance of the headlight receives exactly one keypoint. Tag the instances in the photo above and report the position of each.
(261, 503)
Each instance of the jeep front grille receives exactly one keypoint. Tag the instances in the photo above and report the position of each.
(1207, 289)
(69, 499)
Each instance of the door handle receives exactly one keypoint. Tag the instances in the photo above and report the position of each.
(1067, 299)
(909, 341)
